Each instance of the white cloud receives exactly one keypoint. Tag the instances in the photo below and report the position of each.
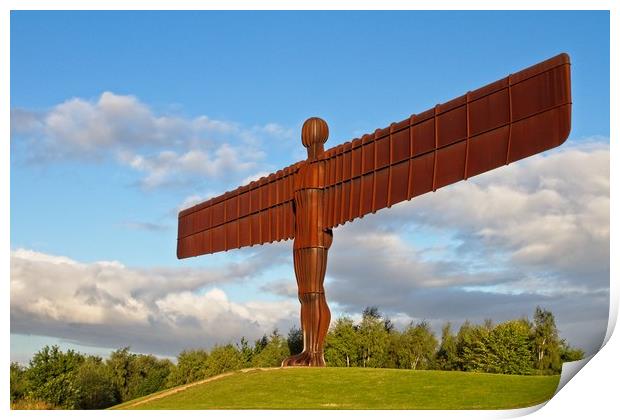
(81, 127)
(276, 130)
(157, 310)
(254, 177)
(192, 200)
(166, 149)
(170, 167)
(144, 226)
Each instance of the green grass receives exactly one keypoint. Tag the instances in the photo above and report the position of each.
(357, 388)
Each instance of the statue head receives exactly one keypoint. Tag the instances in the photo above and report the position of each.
(314, 134)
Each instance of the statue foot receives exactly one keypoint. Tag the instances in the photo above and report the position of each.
(316, 360)
(296, 360)
(304, 358)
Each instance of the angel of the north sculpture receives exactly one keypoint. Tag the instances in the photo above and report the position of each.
(518, 116)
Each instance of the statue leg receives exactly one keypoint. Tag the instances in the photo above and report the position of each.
(310, 265)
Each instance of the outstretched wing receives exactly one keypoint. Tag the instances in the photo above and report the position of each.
(259, 212)
(518, 116)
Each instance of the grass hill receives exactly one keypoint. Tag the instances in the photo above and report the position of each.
(353, 388)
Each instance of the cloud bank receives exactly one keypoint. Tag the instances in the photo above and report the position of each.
(164, 149)
(158, 311)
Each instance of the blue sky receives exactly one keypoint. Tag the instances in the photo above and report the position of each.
(189, 82)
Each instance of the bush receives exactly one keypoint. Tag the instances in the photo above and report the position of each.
(30, 404)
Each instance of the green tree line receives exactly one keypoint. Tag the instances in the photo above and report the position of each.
(71, 380)
(520, 346)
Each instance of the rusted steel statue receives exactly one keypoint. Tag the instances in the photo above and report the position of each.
(518, 116)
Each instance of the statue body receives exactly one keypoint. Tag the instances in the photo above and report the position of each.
(310, 247)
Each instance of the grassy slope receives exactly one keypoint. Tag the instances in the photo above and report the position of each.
(356, 388)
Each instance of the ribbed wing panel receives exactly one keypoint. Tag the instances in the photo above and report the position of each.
(523, 114)
(259, 212)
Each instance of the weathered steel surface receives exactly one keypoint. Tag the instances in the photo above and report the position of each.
(310, 247)
(515, 117)
(518, 116)
(259, 212)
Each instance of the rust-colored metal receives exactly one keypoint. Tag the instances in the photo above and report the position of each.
(515, 117)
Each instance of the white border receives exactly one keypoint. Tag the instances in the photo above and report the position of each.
(592, 392)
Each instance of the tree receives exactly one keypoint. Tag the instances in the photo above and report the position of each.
(447, 356)
(272, 354)
(191, 367)
(19, 383)
(417, 346)
(546, 343)
(96, 385)
(388, 325)
(371, 312)
(148, 374)
(135, 375)
(120, 366)
(390, 358)
(471, 347)
(51, 375)
(341, 344)
(508, 348)
(223, 359)
(245, 351)
(260, 344)
(568, 353)
(504, 348)
(295, 341)
(373, 338)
